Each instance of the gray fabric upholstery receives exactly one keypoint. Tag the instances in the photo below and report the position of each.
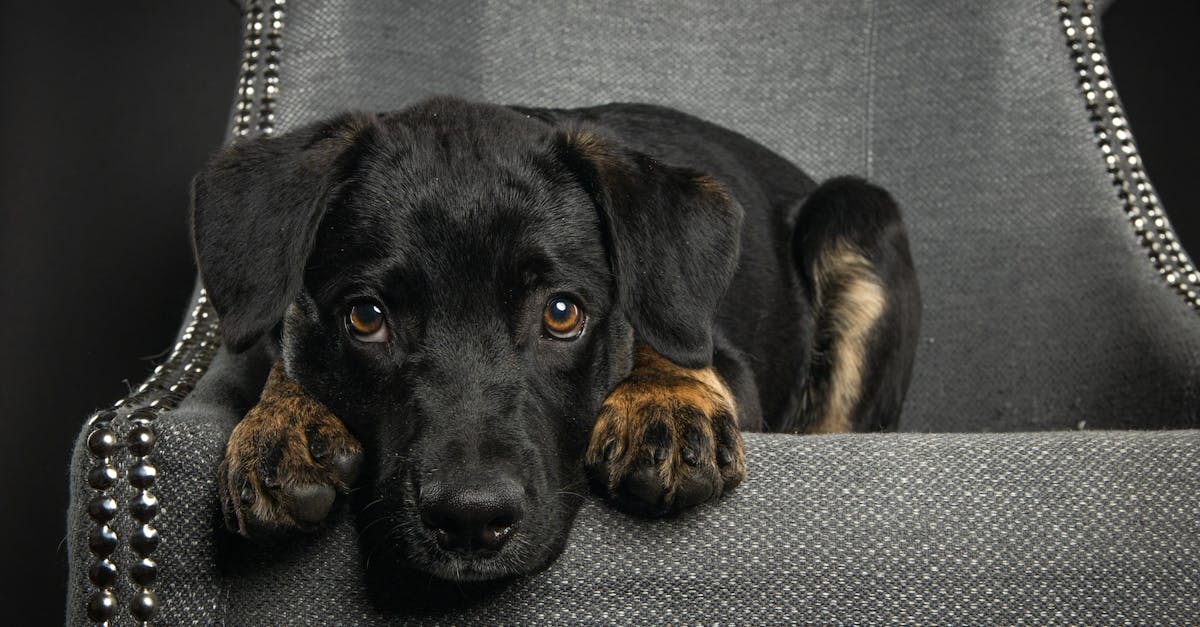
(1030, 528)
(1041, 312)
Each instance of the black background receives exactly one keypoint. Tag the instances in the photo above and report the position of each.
(106, 111)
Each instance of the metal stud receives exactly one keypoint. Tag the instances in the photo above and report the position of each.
(141, 416)
(102, 508)
(141, 440)
(144, 572)
(101, 606)
(102, 541)
(144, 606)
(142, 475)
(102, 442)
(102, 418)
(101, 477)
(144, 507)
(145, 540)
(103, 573)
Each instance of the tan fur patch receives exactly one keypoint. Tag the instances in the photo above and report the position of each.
(319, 155)
(709, 185)
(592, 147)
(851, 300)
(655, 380)
(355, 125)
(683, 401)
(275, 433)
(598, 150)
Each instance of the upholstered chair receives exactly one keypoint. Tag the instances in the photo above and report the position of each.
(1046, 470)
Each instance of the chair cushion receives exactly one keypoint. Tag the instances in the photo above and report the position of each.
(1081, 528)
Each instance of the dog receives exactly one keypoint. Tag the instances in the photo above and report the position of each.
(481, 309)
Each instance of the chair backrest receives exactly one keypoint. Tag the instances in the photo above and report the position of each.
(1055, 294)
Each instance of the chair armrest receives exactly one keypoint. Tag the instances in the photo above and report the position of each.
(1079, 527)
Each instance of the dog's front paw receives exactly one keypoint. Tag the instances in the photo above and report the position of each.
(285, 461)
(667, 438)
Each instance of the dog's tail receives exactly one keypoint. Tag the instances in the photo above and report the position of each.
(851, 249)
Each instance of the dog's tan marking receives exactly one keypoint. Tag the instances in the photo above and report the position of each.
(851, 300)
(686, 403)
(279, 426)
(598, 151)
(710, 186)
(591, 147)
(355, 124)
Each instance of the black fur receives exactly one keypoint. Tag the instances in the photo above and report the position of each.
(462, 219)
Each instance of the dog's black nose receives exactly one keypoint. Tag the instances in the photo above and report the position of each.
(471, 519)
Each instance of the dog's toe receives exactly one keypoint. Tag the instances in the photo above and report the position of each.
(309, 503)
(666, 440)
(285, 462)
(330, 445)
(694, 488)
(348, 466)
(643, 492)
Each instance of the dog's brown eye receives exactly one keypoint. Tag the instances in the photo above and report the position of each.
(563, 318)
(366, 322)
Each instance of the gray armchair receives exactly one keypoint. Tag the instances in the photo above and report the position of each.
(1060, 313)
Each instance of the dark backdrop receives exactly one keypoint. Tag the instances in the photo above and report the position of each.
(106, 109)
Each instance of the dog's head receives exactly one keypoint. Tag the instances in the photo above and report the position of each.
(462, 285)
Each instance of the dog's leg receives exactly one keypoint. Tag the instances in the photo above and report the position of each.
(852, 251)
(667, 438)
(285, 460)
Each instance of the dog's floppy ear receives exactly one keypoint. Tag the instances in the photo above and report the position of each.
(672, 236)
(255, 211)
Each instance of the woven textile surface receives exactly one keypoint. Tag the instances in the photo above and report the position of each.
(1084, 528)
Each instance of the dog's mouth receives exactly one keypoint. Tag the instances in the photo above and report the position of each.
(482, 566)
(414, 574)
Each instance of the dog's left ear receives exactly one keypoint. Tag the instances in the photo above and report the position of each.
(672, 236)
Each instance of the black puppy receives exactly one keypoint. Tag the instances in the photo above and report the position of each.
(498, 302)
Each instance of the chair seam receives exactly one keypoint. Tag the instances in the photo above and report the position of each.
(869, 93)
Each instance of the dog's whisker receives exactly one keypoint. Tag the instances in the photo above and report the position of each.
(375, 546)
(367, 526)
(372, 503)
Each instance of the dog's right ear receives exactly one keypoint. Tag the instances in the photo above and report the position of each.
(255, 211)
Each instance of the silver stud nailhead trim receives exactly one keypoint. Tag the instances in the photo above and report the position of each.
(143, 508)
(248, 79)
(171, 381)
(163, 390)
(1121, 158)
(102, 508)
(266, 111)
